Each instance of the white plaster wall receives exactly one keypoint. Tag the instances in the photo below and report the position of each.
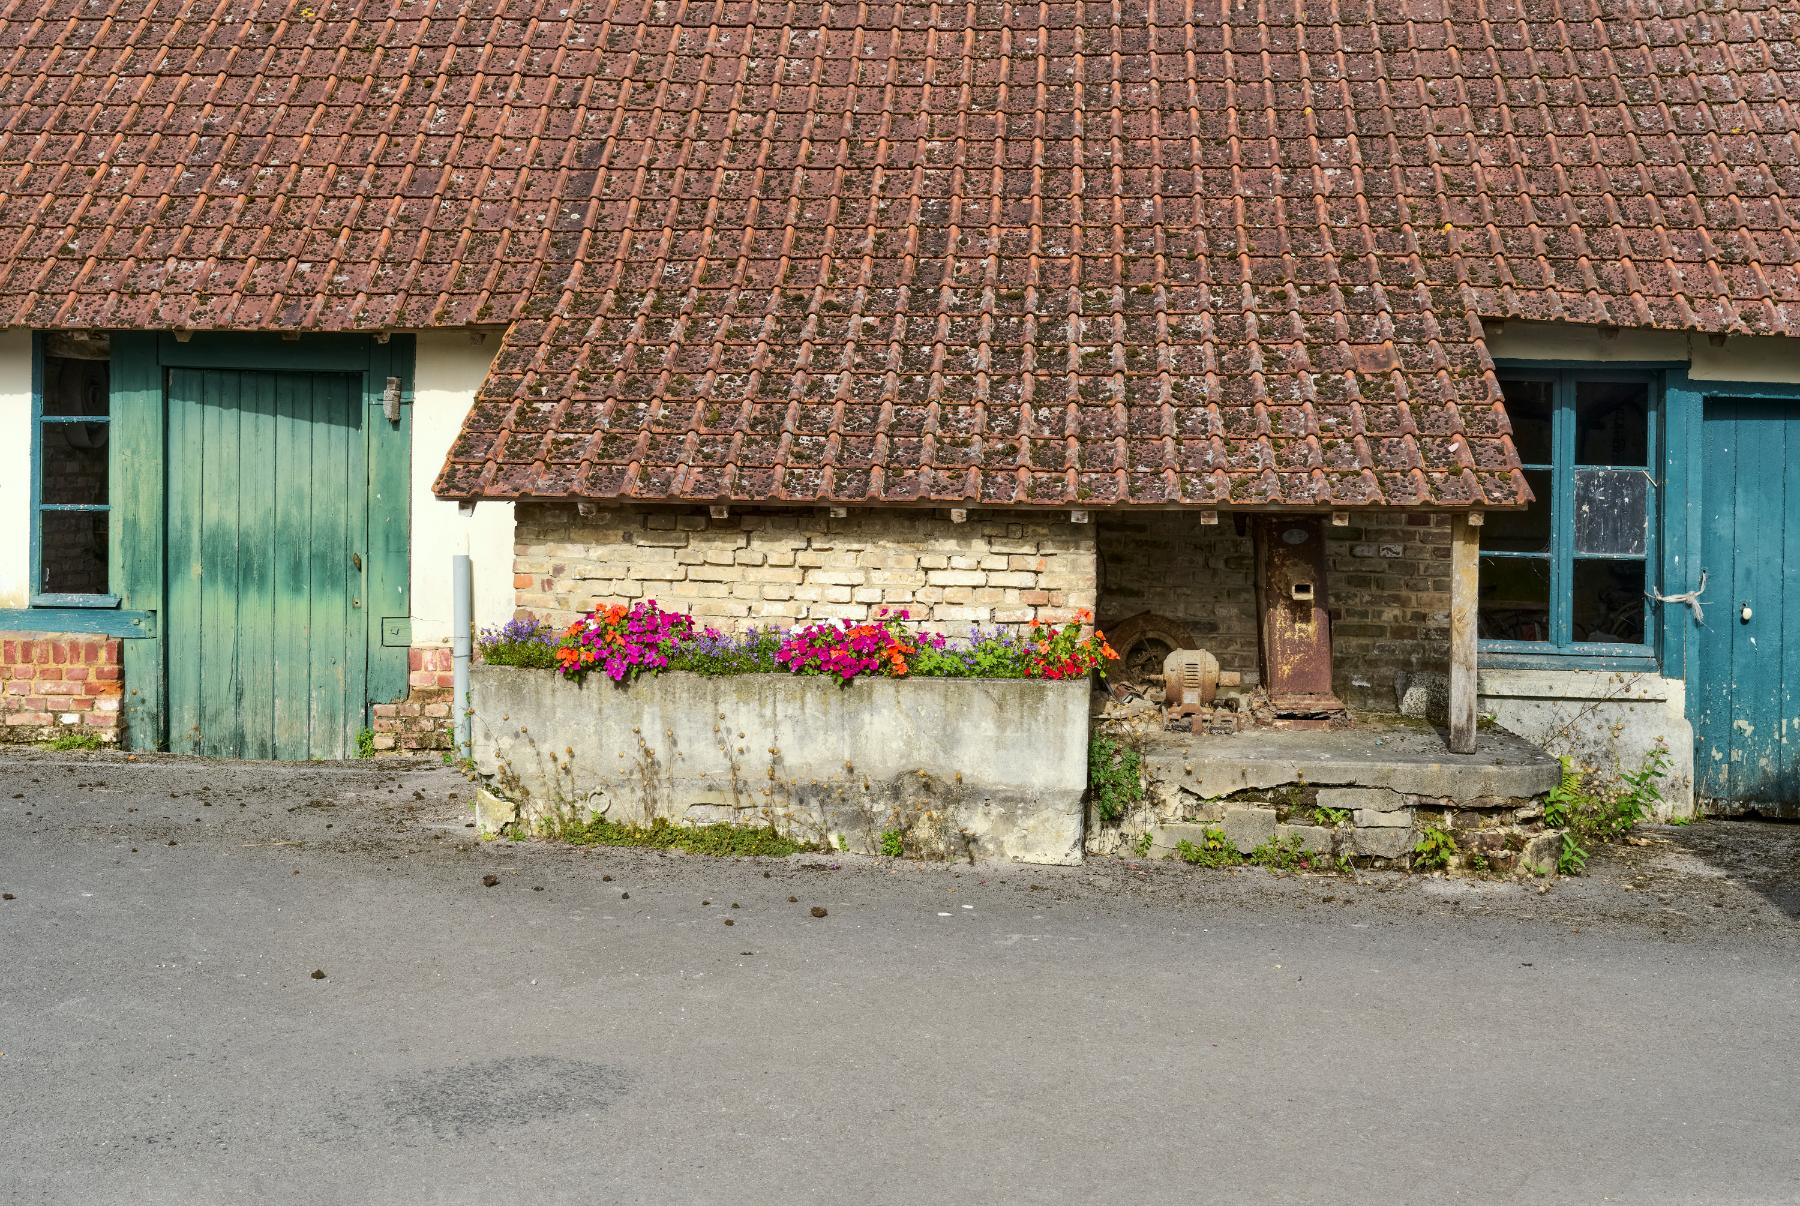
(1607, 721)
(1738, 358)
(448, 370)
(15, 467)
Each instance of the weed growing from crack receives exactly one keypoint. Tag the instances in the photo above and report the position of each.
(1588, 810)
(719, 840)
(64, 742)
(1435, 850)
(1213, 850)
(1115, 777)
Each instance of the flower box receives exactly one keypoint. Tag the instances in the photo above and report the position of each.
(984, 769)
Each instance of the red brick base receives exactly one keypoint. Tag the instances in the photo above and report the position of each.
(52, 683)
(421, 721)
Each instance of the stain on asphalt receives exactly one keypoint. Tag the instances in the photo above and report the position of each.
(470, 1099)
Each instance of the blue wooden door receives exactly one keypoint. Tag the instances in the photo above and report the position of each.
(267, 631)
(1747, 728)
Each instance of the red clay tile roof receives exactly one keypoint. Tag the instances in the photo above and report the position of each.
(1149, 252)
(309, 165)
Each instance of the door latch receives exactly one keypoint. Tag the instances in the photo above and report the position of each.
(356, 560)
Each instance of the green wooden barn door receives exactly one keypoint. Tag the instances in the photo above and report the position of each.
(267, 632)
(1747, 716)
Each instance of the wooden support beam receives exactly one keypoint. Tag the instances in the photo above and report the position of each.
(1465, 547)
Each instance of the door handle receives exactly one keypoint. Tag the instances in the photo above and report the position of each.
(356, 560)
(1744, 613)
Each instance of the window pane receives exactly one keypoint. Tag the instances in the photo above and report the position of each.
(73, 463)
(1611, 422)
(1515, 599)
(1528, 405)
(75, 387)
(1612, 511)
(73, 552)
(1526, 531)
(1609, 602)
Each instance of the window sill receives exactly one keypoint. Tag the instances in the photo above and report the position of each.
(89, 601)
(1513, 658)
(93, 621)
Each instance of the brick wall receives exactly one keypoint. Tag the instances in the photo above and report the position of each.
(1170, 563)
(1389, 586)
(1390, 601)
(52, 684)
(421, 721)
(784, 566)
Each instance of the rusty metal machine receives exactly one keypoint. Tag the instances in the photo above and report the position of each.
(1190, 681)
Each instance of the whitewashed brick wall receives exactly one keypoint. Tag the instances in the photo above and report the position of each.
(784, 566)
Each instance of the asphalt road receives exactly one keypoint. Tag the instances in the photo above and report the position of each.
(1116, 1033)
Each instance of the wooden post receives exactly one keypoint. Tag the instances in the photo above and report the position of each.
(1465, 546)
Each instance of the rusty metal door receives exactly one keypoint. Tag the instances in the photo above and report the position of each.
(1296, 627)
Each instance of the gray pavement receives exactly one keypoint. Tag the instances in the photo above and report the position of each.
(1120, 1032)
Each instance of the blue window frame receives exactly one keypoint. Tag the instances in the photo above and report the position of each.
(71, 508)
(1570, 576)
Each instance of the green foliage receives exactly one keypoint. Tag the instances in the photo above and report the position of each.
(1435, 849)
(1573, 856)
(997, 656)
(1145, 841)
(365, 743)
(892, 843)
(1640, 794)
(1478, 863)
(754, 653)
(716, 840)
(529, 655)
(1330, 817)
(1589, 810)
(528, 642)
(73, 740)
(1279, 854)
(1213, 850)
(1115, 777)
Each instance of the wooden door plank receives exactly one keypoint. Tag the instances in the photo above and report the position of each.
(292, 679)
(255, 457)
(357, 400)
(1719, 440)
(1785, 616)
(221, 703)
(1756, 661)
(186, 475)
(390, 520)
(331, 486)
(138, 490)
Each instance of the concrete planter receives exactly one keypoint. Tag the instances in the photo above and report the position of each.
(963, 768)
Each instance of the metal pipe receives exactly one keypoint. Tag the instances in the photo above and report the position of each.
(461, 647)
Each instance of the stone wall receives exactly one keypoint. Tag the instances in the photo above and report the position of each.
(51, 684)
(959, 768)
(1366, 794)
(773, 566)
(422, 720)
(1389, 591)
